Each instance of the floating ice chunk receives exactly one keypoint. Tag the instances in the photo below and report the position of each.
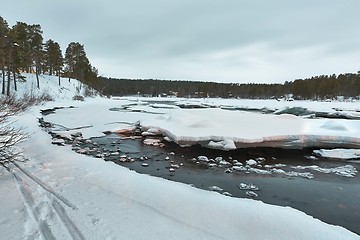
(345, 171)
(251, 194)
(311, 157)
(259, 171)
(277, 165)
(164, 106)
(145, 164)
(216, 189)
(227, 194)
(239, 168)
(278, 171)
(299, 174)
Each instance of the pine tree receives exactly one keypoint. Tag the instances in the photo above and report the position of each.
(36, 46)
(4, 30)
(77, 63)
(54, 58)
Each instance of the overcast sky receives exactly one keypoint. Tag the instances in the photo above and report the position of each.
(237, 41)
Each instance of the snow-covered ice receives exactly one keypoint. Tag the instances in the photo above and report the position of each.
(338, 153)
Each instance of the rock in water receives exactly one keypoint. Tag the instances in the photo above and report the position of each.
(251, 194)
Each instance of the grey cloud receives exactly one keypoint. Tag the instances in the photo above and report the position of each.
(173, 38)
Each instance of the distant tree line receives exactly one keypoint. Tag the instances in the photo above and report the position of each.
(316, 88)
(22, 49)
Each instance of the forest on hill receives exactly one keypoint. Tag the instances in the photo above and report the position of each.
(23, 49)
(316, 88)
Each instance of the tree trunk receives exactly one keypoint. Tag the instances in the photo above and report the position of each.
(14, 75)
(9, 80)
(3, 75)
(9, 74)
(37, 76)
(59, 76)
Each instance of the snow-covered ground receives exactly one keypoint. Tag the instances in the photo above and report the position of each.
(58, 194)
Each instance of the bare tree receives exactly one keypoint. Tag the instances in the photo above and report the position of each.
(9, 136)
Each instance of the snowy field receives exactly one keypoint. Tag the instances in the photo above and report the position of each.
(59, 194)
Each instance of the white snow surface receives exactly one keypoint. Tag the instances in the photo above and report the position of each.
(80, 197)
(338, 153)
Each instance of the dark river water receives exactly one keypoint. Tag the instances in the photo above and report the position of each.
(332, 198)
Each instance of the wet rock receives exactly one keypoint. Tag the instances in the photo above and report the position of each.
(174, 166)
(251, 162)
(202, 159)
(239, 164)
(58, 141)
(224, 163)
(244, 186)
(83, 151)
(239, 168)
(212, 165)
(218, 159)
(153, 142)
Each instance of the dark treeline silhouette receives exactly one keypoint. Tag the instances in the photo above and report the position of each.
(316, 88)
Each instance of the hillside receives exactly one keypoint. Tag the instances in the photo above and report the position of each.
(49, 87)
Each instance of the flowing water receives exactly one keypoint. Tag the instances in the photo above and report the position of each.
(330, 197)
